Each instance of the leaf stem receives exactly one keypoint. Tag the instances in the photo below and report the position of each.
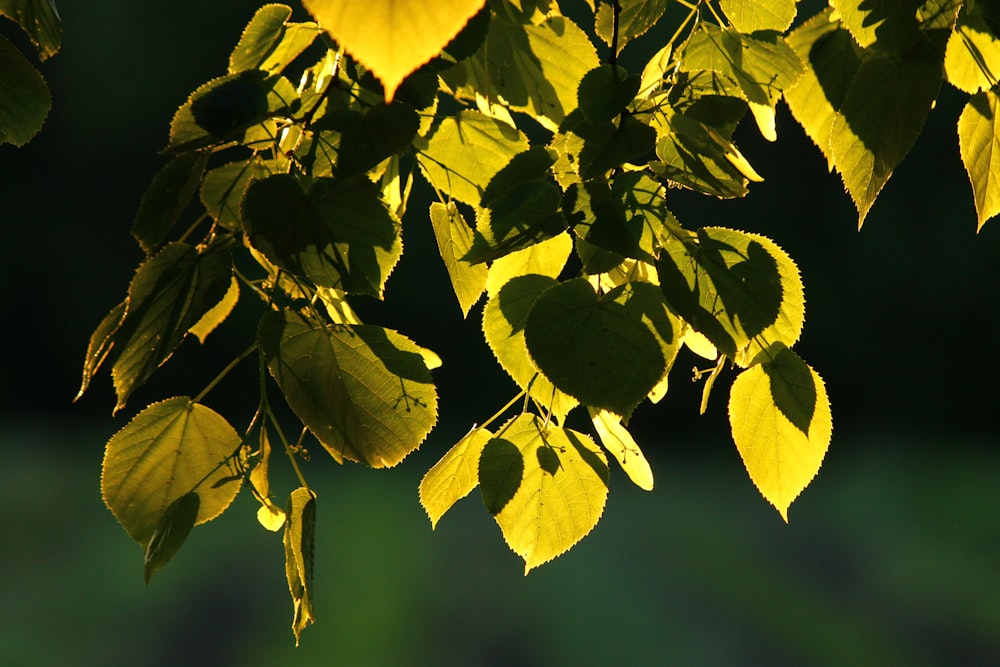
(224, 372)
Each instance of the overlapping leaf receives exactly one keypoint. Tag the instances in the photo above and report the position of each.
(454, 240)
(338, 233)
(979, 140)
(362, 390)
(454, 476)
(269, 42)
(752, 15)
(620, 444)
(170, 449)
(393, 37)
(636, 17)
(24, 96)
(972, 57)
(39, 20)
(781, 421)
(545, 486)
(167, 197)
(300, 544)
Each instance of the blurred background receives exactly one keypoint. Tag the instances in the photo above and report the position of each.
(890, 556)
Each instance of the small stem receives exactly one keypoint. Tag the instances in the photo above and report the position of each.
(505, 408)
(225, 371)
(616, 10)
(288, 450)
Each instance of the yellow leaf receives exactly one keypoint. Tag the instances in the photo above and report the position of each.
(781, 421)
(620, 444)
(454, 476)
(393, 38)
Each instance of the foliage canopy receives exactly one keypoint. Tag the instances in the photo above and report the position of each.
(552, 167)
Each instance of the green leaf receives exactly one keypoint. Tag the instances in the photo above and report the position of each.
(752, 15)
(466, 152)
(972, 58)
(890, 25)
(619, 442)
(224, 109)
(636, 17)
(832, 59)
(174, 527)
(166, 198)
(880, 118)
(393, 38)
(339, 233)
(504, 319)
(561, 492)
(781, 421)
(101, 343)
(269, 42)
(592, 347)
(300, 544)
(607, 146)
(454, 239)
(735, 288)
(269, 515)
(979, 140)
(24, 96)
(168, 295)
(223, 187)
(605, 92)
(218, 313)
(546, 258)
(762, 64)
(454, 476)
(368, 139)
(39, 20)
(170, 449)
(362, 390)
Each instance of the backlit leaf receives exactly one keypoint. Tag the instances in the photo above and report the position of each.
(224, 109)
(752, 15)
(166, 198)
(560, 493)
(454, 239)
(504, 319)
(972, 58)
(466, 152)
(218, 313)
(546, 258)
(605, 92)
(368, 139)
(174, 527)
(269, 42)
(620, 444)
(222, 190)
(338, 233)
(168, 450)
(393, 37)
(168, 295)
(891, 24)
(979, 140)
(300, 544)
(736, 288)
(781, 421)
(362, 390)
(101, 342)
(39, 20)
(593, 348)
(269, 515)
(24, 96)
(454, 476)
(636, 17)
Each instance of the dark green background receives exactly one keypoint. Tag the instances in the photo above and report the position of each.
(889, 557)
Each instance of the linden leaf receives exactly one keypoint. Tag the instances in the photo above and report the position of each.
(393, 38)
(621, 445)
(979, 140)
(300, 540)
(781, 421)
(454, 476)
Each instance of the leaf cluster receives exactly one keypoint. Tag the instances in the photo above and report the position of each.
(552, 167)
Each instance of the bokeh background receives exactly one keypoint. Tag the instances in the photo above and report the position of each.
(890, 557)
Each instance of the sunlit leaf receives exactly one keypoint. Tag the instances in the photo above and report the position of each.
(362, 390)
(781, 421)
(168, 295)
(972, 58)
(300, 544)
(269, 515)
(622, 446)
(393, 37)
(592, 347)
(466, 152)
(171, 532)
(24, 96)
(891, 25)
(338, 233)
(636, 17)
(504, 319)
(454, 239)
(979, 140)
(454, 476)
(224, 109)
(222, 189)
(218, 313)
(168, 450)
(752, 15)
(734, 287)
(166, 198)
(39, 20)
(101, 343)
(269, 42)
(559, 494)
